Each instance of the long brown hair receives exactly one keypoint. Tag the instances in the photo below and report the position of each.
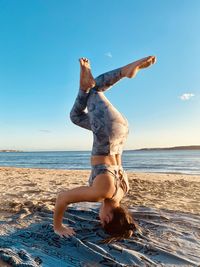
(122, 226)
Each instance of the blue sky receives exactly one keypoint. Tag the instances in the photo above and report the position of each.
(41, 42)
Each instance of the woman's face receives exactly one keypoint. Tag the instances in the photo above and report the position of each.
(105, 214)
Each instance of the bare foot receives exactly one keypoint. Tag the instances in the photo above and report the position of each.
(131, 69)
(86, 79)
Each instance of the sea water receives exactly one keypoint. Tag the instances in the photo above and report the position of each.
(170, 161)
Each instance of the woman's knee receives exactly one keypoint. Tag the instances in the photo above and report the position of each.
(73, 116)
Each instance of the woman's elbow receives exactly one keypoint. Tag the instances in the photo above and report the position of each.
(61, 197)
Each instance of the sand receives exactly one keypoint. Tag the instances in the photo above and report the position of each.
(164, 191)
(166, 205)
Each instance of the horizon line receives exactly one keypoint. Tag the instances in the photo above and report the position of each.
(76, 150)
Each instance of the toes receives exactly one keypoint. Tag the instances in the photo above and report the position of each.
(84, 60)
(87, 61)
(154, 59)
(151, 60)
(81, 61)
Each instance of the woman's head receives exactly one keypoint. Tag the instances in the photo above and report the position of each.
(106, 211)
(119, 223)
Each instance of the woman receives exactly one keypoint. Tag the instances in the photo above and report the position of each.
(108, 182)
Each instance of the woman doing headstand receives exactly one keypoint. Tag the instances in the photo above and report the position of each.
(108, 181)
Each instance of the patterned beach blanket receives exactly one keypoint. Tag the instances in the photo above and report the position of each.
(166, 238)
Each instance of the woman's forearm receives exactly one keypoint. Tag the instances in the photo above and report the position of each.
(78, 194)
(59, 210)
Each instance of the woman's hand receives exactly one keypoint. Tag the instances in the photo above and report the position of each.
(78, 194)
(64, 231)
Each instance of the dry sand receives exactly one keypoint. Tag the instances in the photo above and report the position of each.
(164, 191)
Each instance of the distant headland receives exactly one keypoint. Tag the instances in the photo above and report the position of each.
(10, 150)
(171, 148)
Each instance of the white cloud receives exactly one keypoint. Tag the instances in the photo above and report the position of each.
(108, 54)
(186, 96)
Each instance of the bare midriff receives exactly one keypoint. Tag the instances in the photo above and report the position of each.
(106, 159)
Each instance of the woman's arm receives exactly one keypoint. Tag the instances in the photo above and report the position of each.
(78, 194)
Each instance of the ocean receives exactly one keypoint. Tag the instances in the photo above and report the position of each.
(163, 161)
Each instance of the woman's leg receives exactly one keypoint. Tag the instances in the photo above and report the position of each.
(101, 83)
(108, 79)
(78, 113)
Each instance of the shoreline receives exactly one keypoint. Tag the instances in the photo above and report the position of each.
(127, 170)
